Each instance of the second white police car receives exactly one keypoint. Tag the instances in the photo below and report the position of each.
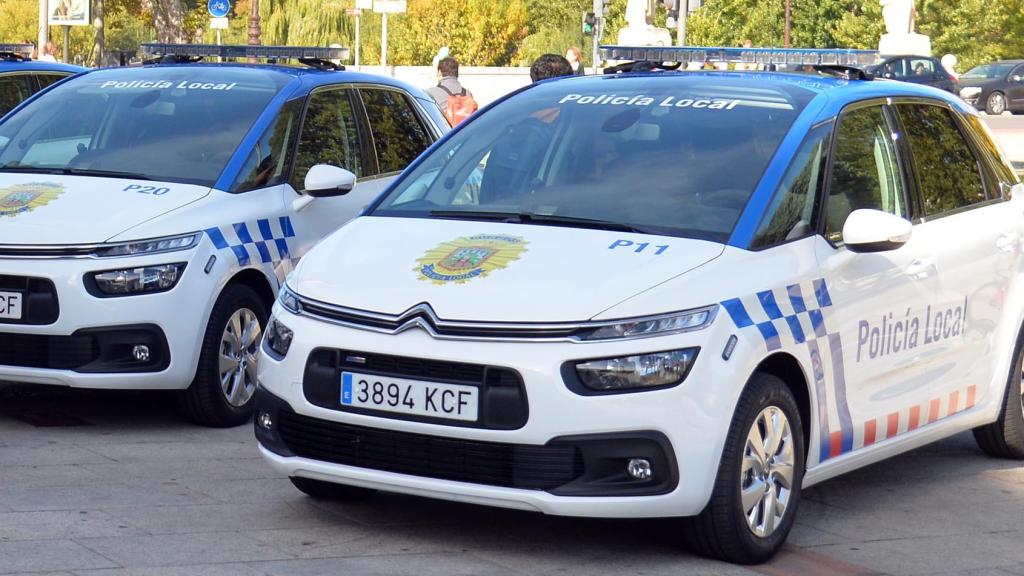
(148, 215)
(661, 294)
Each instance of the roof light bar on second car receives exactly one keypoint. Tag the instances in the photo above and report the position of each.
(242, 51)
(762, 56)
(23, 50)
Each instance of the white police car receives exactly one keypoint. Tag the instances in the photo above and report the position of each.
(147, 215)
(661, 294)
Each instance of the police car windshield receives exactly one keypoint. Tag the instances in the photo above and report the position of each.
(677, 155)
(174, 124)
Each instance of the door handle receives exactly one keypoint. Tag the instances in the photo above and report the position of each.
(920, 269)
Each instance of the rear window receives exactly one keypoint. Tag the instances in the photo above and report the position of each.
(679, 155)
(177, 124)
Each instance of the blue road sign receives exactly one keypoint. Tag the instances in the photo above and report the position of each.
(218, 8)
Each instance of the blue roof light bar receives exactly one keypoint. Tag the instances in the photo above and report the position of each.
(241, 51)
(763, 56)
(19, 49)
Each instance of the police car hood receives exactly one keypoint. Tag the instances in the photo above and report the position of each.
(488, 271)
(47, 209)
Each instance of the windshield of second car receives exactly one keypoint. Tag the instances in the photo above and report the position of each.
(677, 156)
(988, 71)
(175, 123)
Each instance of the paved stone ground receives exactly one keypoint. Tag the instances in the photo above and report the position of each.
(109, 484)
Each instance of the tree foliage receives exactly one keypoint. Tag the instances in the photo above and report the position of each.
(517, 31)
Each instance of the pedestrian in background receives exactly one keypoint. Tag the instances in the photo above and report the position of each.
(49, 53)
(550, 66)
(451, 96)
(575, 58)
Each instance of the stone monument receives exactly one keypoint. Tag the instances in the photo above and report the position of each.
(638, 32)
(899, 37)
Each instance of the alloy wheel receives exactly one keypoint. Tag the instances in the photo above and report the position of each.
(767, 471)
(239, 349)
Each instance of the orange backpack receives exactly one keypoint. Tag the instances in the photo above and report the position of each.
(459, 106)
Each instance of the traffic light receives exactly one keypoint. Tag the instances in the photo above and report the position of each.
(589, 22)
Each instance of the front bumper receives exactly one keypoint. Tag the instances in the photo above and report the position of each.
(680, 430)
(88, 342)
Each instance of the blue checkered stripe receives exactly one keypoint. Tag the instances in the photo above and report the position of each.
(268, 238)
(775, 322)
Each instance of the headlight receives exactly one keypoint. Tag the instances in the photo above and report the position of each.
(279, 337)
(140, 280)
(154, 246)
(632, 372)
(289, 300)
(652, 325)
(970, 91)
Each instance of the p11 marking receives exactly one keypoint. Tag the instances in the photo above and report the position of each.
(640, 247)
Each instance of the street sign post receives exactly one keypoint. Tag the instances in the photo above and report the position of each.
(385, 7)
(357, 12)
(219, 10)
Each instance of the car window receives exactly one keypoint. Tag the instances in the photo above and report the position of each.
(329, 136)
(947, 171)
(1004, 171)
(398, 135)
(793, 211)
(988, 71)
(171, 124)
(582, 150)
(268, 163)
(865, 171)
(894, 69)
(13, 90)
(920, 67)
(45, 79)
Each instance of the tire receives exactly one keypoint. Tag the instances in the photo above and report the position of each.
(207, 401)
(1004, 438)
(995, 104)
(321, 490)
(722, 529)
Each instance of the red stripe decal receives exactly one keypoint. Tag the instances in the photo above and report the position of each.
(835, 444)
(971, 392)
(915, 418)
(894, 425)
(933, 410)
(870, 428)
(954, 399)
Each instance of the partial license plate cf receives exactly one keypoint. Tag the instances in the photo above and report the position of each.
(412, 397)
(10, 305)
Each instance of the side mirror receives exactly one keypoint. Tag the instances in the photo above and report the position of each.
(324, 181)
(875, 231)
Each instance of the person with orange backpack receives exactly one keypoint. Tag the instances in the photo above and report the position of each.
(455, 102)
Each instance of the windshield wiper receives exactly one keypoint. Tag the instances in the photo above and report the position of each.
(542, 219)
(15, 167)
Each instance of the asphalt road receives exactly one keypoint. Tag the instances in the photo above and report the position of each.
(111, 484)
(1009, 131)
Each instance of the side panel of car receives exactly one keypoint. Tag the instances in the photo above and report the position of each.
(1015, 89)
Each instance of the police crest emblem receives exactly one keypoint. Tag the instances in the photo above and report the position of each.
(22, 198)
(469, 257)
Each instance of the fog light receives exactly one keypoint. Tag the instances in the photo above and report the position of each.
(141, 353)
(639, 468)
(264, 420)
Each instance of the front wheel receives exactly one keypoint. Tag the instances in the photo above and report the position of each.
(1004, 438)
(221, 394)
(755, 497)
(995, 104)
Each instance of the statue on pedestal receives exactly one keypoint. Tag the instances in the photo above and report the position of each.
(899, 38)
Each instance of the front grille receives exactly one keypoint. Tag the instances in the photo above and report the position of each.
(490, 463)
(39, 299)
(503, 403)
(54, 352)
